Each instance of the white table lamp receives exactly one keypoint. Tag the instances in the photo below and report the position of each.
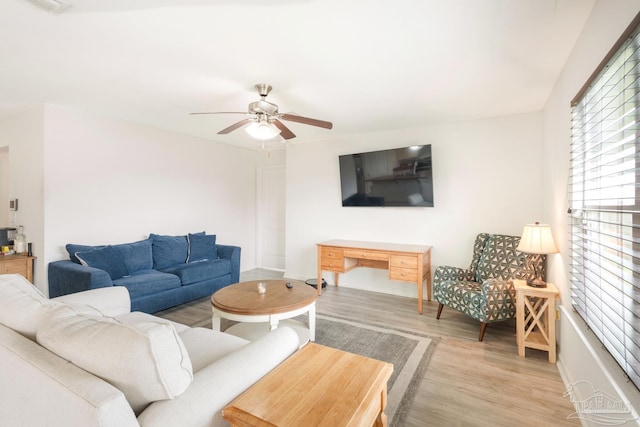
(537, 240)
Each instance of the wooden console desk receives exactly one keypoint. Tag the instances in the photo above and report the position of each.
(406, 263)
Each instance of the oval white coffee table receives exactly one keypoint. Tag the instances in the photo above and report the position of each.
(260, 313)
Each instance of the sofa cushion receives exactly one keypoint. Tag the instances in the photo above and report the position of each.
(138, 316)
(147, 360)
(108, 259)
(146, 282)
(202, 247)
(168, 250)
(205, 346)
(72, 248)
(137, 255)
(22, 305)
(199, 271)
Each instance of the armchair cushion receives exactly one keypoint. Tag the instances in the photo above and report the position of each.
(500, 259)
(487, 302)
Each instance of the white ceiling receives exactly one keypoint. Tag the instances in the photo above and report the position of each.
(365, 65)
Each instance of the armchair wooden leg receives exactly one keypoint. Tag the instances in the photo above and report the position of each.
(483, 327)
(439, 311)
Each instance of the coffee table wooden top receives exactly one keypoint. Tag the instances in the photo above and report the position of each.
(317, 386)
(243, 298)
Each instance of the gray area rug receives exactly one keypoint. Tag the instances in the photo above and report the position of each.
(408, 351)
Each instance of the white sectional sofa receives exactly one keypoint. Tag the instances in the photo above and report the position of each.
(85, 360)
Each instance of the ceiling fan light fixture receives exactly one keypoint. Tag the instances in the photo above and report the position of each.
(262, 130)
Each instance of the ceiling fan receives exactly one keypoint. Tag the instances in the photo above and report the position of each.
(265, 120)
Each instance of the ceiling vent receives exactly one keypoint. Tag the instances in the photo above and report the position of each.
(52, 6)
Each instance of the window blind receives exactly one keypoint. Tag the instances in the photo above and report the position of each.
(604, 204)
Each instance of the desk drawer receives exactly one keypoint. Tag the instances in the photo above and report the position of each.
(404, 261)
(332, 264)
(404, 274)
(329, 252)
(366, 254)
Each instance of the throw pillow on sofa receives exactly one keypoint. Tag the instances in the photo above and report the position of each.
(137, 255)
(72, 248)
(145, 360)
(108, 259)
(168, 250)
(202, 247)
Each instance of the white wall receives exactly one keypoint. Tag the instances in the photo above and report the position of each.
(486, 179)
(23, 136)
(4, 187)
(580, 355)
(109, 181)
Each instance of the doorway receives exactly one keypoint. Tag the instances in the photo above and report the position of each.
(270, 244)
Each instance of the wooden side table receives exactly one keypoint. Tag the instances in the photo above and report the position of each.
(536, 318)
(20, 264)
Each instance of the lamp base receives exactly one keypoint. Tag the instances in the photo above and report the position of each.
(537, 283)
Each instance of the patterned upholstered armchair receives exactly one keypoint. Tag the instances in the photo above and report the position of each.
(485, 290)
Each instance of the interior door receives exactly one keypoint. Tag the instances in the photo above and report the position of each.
(271, 218)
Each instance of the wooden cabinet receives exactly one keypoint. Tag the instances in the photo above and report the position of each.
(17, 264)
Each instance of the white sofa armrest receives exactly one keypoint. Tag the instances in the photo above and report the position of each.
(215, 386)
(111, 301)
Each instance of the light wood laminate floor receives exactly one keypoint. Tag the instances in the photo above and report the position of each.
(467, 383)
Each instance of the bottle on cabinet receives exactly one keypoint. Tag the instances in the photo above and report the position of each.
(20, 242)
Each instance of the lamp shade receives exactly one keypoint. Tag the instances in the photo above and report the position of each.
(262, 130)
(537, 239)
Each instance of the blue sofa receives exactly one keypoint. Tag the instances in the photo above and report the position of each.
(159, 272)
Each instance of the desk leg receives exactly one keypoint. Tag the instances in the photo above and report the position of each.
(427, 273)
(420, 285)
(319, 282)
(215, 320)
(312, 322)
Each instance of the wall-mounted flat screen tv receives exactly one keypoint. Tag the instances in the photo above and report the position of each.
(395, 177)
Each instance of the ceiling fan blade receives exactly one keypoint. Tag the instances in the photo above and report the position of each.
(235, 126)
(220, 112)
(285, 132)
(306, 120)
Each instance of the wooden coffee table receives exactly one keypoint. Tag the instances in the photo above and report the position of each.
(317, 386)
(260, 313)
